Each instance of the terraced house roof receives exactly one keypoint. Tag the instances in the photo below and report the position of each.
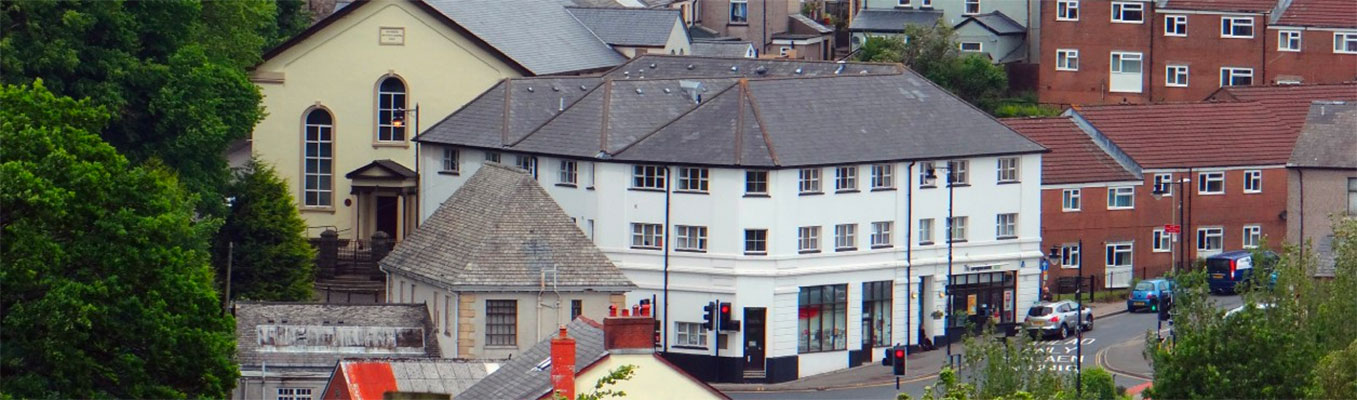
(1320, 13)
(1074, 156)
(1180, 135)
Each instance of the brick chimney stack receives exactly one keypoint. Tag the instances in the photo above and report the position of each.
(632, 332)
(563, 365)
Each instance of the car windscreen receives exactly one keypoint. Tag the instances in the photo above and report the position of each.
(1144, 286)
(1038, 311)
(1217, 265)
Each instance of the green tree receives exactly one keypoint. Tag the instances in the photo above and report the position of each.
(602, 387)
(931, 51)
(271, 258)
(1336, 375)
(999, 367)
(105, 285)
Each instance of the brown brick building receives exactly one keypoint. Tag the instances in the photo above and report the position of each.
(1135, 51)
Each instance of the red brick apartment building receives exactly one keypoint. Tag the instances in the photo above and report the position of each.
(1140, 51)
(1105, 162)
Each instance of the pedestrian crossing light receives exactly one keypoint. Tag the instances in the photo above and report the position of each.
(708, 315)
(898, 360)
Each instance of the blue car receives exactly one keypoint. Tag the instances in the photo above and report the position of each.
(1149, 293)
(1225, 271)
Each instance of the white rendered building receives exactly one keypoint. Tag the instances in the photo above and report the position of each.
(799, 194)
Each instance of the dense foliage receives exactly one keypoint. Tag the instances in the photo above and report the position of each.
(105, 286)
(266, 238)
(1296, 348)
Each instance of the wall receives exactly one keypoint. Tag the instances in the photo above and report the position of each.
(1095, 36)
(249, 386)
(654, 377)
(338, 68)
(773, 281)
(716, 16)
(996, 46)
(1325, 193)
(1204, 51)
(952, 10)
(1315, 63)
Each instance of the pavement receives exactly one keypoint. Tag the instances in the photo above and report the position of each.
(921, 366)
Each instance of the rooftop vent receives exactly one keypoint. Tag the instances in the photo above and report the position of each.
(761, 70)
(690, 66)
(693, 89)
(734, 68)
(798, 70)
(530, 89)
(652, 65)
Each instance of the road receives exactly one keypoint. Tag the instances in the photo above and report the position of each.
(1122, 330)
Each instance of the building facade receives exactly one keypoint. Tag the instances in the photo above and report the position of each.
(775, 28)
(1322, 174)
(1132, 51)
(998, 29)
(705, 190)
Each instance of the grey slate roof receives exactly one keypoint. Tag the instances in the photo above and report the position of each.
(783, 119)
(497, 233)
(871, 20)
(996, 22)
(629, 26)
(1329, 138)
(810, 23)
(540, 35)
(298, 335)
(734, 49)
(523, 376)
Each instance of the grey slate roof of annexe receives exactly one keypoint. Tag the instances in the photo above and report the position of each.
(720, 49)
(892, 20)
(996, 22)
(497, 233)
(629, 26)
(1329, 138)
(785, 120)
(520, 377)
(249, 315)
(540, 35)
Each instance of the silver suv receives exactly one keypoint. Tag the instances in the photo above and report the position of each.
(1058, 318)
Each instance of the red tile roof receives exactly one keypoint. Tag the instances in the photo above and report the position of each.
(1290, 102)
(1074, 158)
(1222, 5)
(1182, 135)
(368, 379)
(1325, 13)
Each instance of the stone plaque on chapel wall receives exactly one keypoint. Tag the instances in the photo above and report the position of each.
(391, 36)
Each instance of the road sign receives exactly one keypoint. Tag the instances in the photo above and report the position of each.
(1173, 228)
(1045, 264)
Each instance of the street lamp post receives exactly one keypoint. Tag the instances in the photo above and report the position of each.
(947, 325)
(1078, 328)
(1161, 190)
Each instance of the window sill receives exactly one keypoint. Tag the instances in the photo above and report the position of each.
(644, 248)
(689, 251)
(882, 246)
(928, 186)
(838, 191)
(1005, 237)
(1253, 192)
(589, 188)
(733, 23)
(690, 347)
(453, 173)
(807, 251)
(883, 189)
(957, 241)
(755, 253)
(1120, 208)
(1210, 193)
(811, 193)
(1008, 182)
(1128, 22)
(1058, 69)
(1066, 19)
(1071, 210)
(692, 192)
(842, 249)
(819, 351)
(569, 185)
(757, 195)
(636, 189)
(501, 347)
(925, 243)
(1161, 251)
(1235, 37)
(959, 185)
(305, 209)
(393, 144)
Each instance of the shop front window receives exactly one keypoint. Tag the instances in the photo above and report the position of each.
(876, 313)
(822, 318)
(987, 296)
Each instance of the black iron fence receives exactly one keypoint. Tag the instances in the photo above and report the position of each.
(350, 257)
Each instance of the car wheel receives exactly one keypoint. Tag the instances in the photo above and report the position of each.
(1064, 331)
(1089, 327)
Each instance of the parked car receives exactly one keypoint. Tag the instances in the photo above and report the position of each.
(1226, 271)
(1059, 318)
(1150, 293)
(1236, 310)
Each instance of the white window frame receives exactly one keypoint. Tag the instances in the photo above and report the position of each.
(294, 393)
(1289, 40)
(750, 250)
(1113, 250)
(647, 236)
(756, 178)
(570, 173)
(492, 156)
(1176, 75)
(451, 160)
(971, 7)
(808, 239)
(1253, 236)
(1164, 181)
(692, 179)
(690, 334)
(979, 47)
(902, 3)
(1118, 59)
(1161, 241)
(1228, 26)
(649, 177)
(959, 172)
(1006, 226)
(744, 11)
(956, 229)
(846, 179)
(1208, 235)
(528, 163)
(883, 176)
(1071, 200)
(1067, 10)
(924, 180)
(845, 237)
(926, 4)
(691, 238)
(1007, 169)
(1066, 59)
(1115, 192)
(318, 140)
(1253, 181)
(1205, 179)
(1119, 9)
(1070, 255)
(809, 179)
(1235, 72)
(1342, 40)
(881, 234)
(1175, 25)
(925, 231)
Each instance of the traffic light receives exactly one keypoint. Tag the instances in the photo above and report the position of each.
(898, 360)
(1164, 310)
(708, 315)
(726, 324)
